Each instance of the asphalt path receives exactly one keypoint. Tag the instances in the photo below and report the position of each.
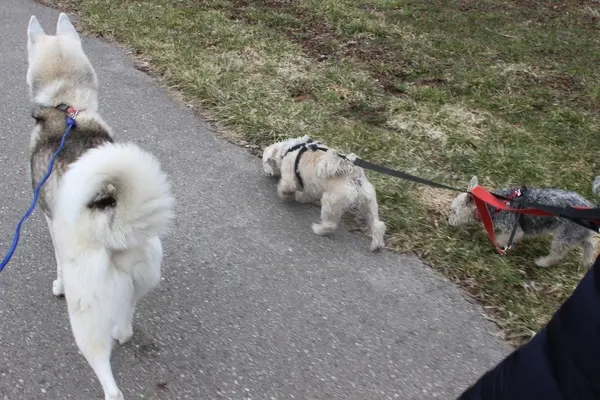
(252, 304)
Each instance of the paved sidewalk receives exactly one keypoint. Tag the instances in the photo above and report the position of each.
(253, 304)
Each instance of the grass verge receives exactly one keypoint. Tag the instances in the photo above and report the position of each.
(508, 90)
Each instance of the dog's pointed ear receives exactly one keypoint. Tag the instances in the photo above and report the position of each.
(64, 27)
(268, 153)
(473, 184)
(38, 114)
(34, 31)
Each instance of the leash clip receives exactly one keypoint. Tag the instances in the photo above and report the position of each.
(312, 146)
(73, 113)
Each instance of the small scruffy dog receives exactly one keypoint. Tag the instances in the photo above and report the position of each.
(567, 234)
(309, 171)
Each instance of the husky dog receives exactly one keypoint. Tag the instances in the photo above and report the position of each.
(566, 234)
(309, 171)
(105, 204)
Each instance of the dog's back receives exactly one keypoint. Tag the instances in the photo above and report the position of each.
(532, 224)
(106, 204)
(50, 127)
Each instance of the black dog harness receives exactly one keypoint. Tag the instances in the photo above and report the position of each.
(303, 147)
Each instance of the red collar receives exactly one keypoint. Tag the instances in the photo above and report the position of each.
(68, 109)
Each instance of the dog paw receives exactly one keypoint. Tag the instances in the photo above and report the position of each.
(302, 198)
(123, 334)
(543, 262)
(502, 241)
(322, 229)
(286, 196)
(114, 396)
(377, 245)
(58, 288)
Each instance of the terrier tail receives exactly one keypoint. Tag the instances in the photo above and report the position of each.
(333, 165)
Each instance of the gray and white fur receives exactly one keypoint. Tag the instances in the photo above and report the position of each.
(106, 204)
(567, 234)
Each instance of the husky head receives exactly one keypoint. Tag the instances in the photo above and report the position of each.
(273, 154)
(58, 69)
(463, 208)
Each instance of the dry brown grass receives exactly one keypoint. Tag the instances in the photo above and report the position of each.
(507, 90)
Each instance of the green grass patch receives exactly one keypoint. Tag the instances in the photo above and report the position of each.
(507, 90)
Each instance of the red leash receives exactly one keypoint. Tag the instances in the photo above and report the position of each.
(483, 198)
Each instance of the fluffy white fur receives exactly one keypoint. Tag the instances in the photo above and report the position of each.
(107, 259)
(337, 183)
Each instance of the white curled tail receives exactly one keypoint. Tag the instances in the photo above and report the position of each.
(116, 194)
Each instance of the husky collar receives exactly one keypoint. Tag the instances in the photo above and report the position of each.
(72, 112)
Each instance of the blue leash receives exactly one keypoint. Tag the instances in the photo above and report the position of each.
(70, 125)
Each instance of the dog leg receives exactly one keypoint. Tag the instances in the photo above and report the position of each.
(286, 189)
(58, 288)
(504, 236)
(370, 211)
(123, 331)
(589, 251)
(302, 197)
(93, 338)
(561, 244)
(332, 209)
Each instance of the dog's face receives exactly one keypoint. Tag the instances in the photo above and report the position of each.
(273, 154)
(462, 210)
(271, 159)
(57, 61)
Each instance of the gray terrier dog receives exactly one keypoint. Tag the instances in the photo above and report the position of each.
(567, 234)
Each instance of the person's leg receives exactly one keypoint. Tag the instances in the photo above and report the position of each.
(561, 362)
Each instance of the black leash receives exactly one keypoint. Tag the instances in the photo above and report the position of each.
(402, 175)
(588, 218)
(518, 223)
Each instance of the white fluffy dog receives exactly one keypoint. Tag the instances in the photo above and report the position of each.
(105, 203)
(309, 171)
